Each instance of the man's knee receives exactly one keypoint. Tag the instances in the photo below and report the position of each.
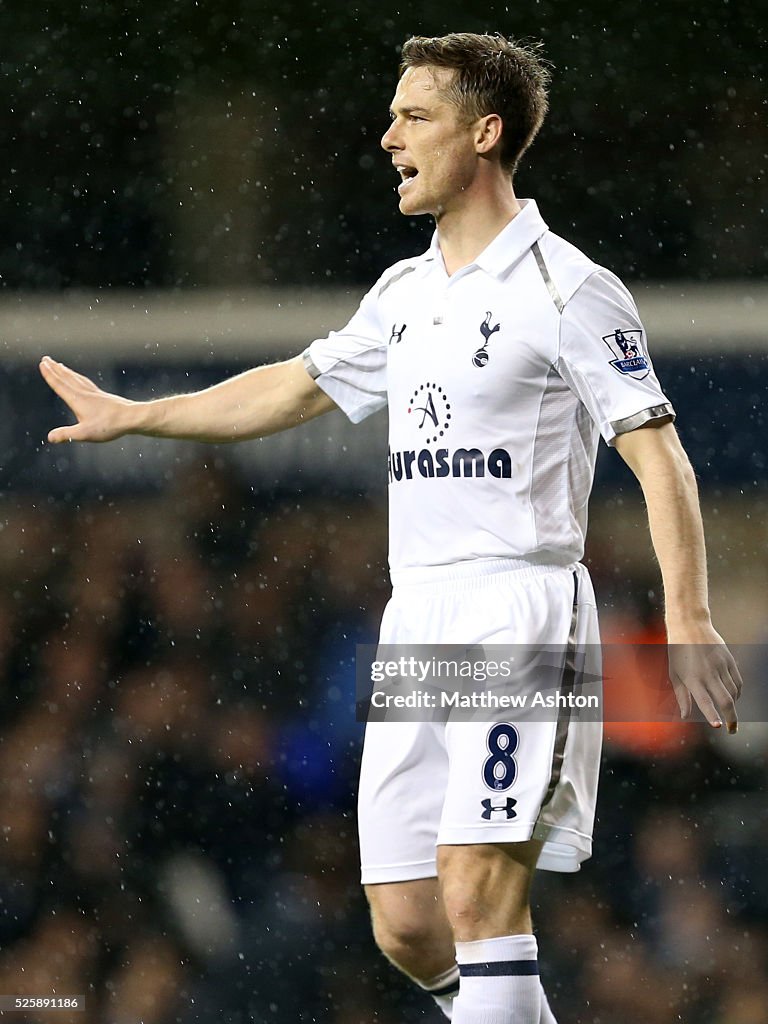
(410, 927)
(400, 938)
(486, 888)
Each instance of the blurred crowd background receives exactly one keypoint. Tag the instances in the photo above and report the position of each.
(178, 766)
(178, 745)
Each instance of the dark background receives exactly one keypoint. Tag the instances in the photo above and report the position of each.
(184, 143)
(178, 751)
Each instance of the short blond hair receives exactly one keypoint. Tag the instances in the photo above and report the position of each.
(492, 75)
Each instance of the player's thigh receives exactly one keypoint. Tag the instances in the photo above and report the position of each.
(403, 776)
(498, 778)
(532, 775)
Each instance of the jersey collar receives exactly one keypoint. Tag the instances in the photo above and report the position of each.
(512, 242)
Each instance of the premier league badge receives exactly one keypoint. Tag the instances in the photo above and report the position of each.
(625, 345)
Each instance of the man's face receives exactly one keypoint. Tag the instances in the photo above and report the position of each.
(431, 144)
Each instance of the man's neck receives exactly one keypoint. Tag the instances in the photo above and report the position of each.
(463, 233)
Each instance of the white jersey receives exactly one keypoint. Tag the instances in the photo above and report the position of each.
(499, 381)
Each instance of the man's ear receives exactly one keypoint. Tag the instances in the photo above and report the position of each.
(488, 133)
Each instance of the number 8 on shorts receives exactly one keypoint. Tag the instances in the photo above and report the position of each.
(500, 769)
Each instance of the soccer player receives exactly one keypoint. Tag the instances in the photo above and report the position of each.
(503, 353)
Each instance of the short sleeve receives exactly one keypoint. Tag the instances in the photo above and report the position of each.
(603, 357)
(350, 365)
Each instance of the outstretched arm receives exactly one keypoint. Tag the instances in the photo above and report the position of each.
(258, 402)
(701, 666)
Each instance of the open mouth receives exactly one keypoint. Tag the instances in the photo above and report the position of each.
(407, 175)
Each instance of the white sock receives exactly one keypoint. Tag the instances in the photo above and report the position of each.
(546, 1016)
(444, 988)
(499, 981)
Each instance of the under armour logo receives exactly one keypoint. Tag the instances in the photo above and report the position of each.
(507, 807)
(397, 336)
(480, 358)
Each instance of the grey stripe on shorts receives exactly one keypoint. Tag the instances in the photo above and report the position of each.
(564, 715)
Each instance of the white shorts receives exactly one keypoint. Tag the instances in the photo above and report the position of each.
(422, 783)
